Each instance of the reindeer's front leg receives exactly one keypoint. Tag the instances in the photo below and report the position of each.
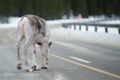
(44, 56)
(34, 63)
(33, 57)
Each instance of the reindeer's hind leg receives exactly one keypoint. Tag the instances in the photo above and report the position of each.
(28, 43)
(20, 38)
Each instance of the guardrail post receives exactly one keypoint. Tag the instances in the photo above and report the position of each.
(95, 29)
(79, 27)
(74, 27)
(69, 26)
(106, 29)
(86, 27)
(106, 26)
(119, 30)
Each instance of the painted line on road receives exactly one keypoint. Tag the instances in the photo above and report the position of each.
(86, 66)
(79, 59)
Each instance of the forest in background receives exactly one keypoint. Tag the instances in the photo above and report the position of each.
(56, 9)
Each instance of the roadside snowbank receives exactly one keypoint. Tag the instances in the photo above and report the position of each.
(13, 21)
(111, 22)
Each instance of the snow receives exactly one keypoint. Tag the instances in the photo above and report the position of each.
(111, 22)
(90, 19)
(13, 21)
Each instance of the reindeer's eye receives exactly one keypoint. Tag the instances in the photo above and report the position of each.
(39, 43)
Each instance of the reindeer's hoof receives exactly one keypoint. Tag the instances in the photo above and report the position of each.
(19, 66)
(27, 70)
(44, 68)
(34, 68)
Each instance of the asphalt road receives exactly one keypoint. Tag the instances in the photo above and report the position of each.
(70, 58)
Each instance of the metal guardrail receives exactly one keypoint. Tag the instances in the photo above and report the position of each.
(96, 25)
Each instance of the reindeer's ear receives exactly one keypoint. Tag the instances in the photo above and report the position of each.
(50, 43)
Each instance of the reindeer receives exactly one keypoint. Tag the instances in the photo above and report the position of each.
(35, 30)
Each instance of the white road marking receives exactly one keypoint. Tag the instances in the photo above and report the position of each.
(79, 59)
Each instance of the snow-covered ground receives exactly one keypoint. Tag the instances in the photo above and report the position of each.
(13, 21)
(111, 22)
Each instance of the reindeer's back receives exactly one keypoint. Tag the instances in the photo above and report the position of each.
(32, 25)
